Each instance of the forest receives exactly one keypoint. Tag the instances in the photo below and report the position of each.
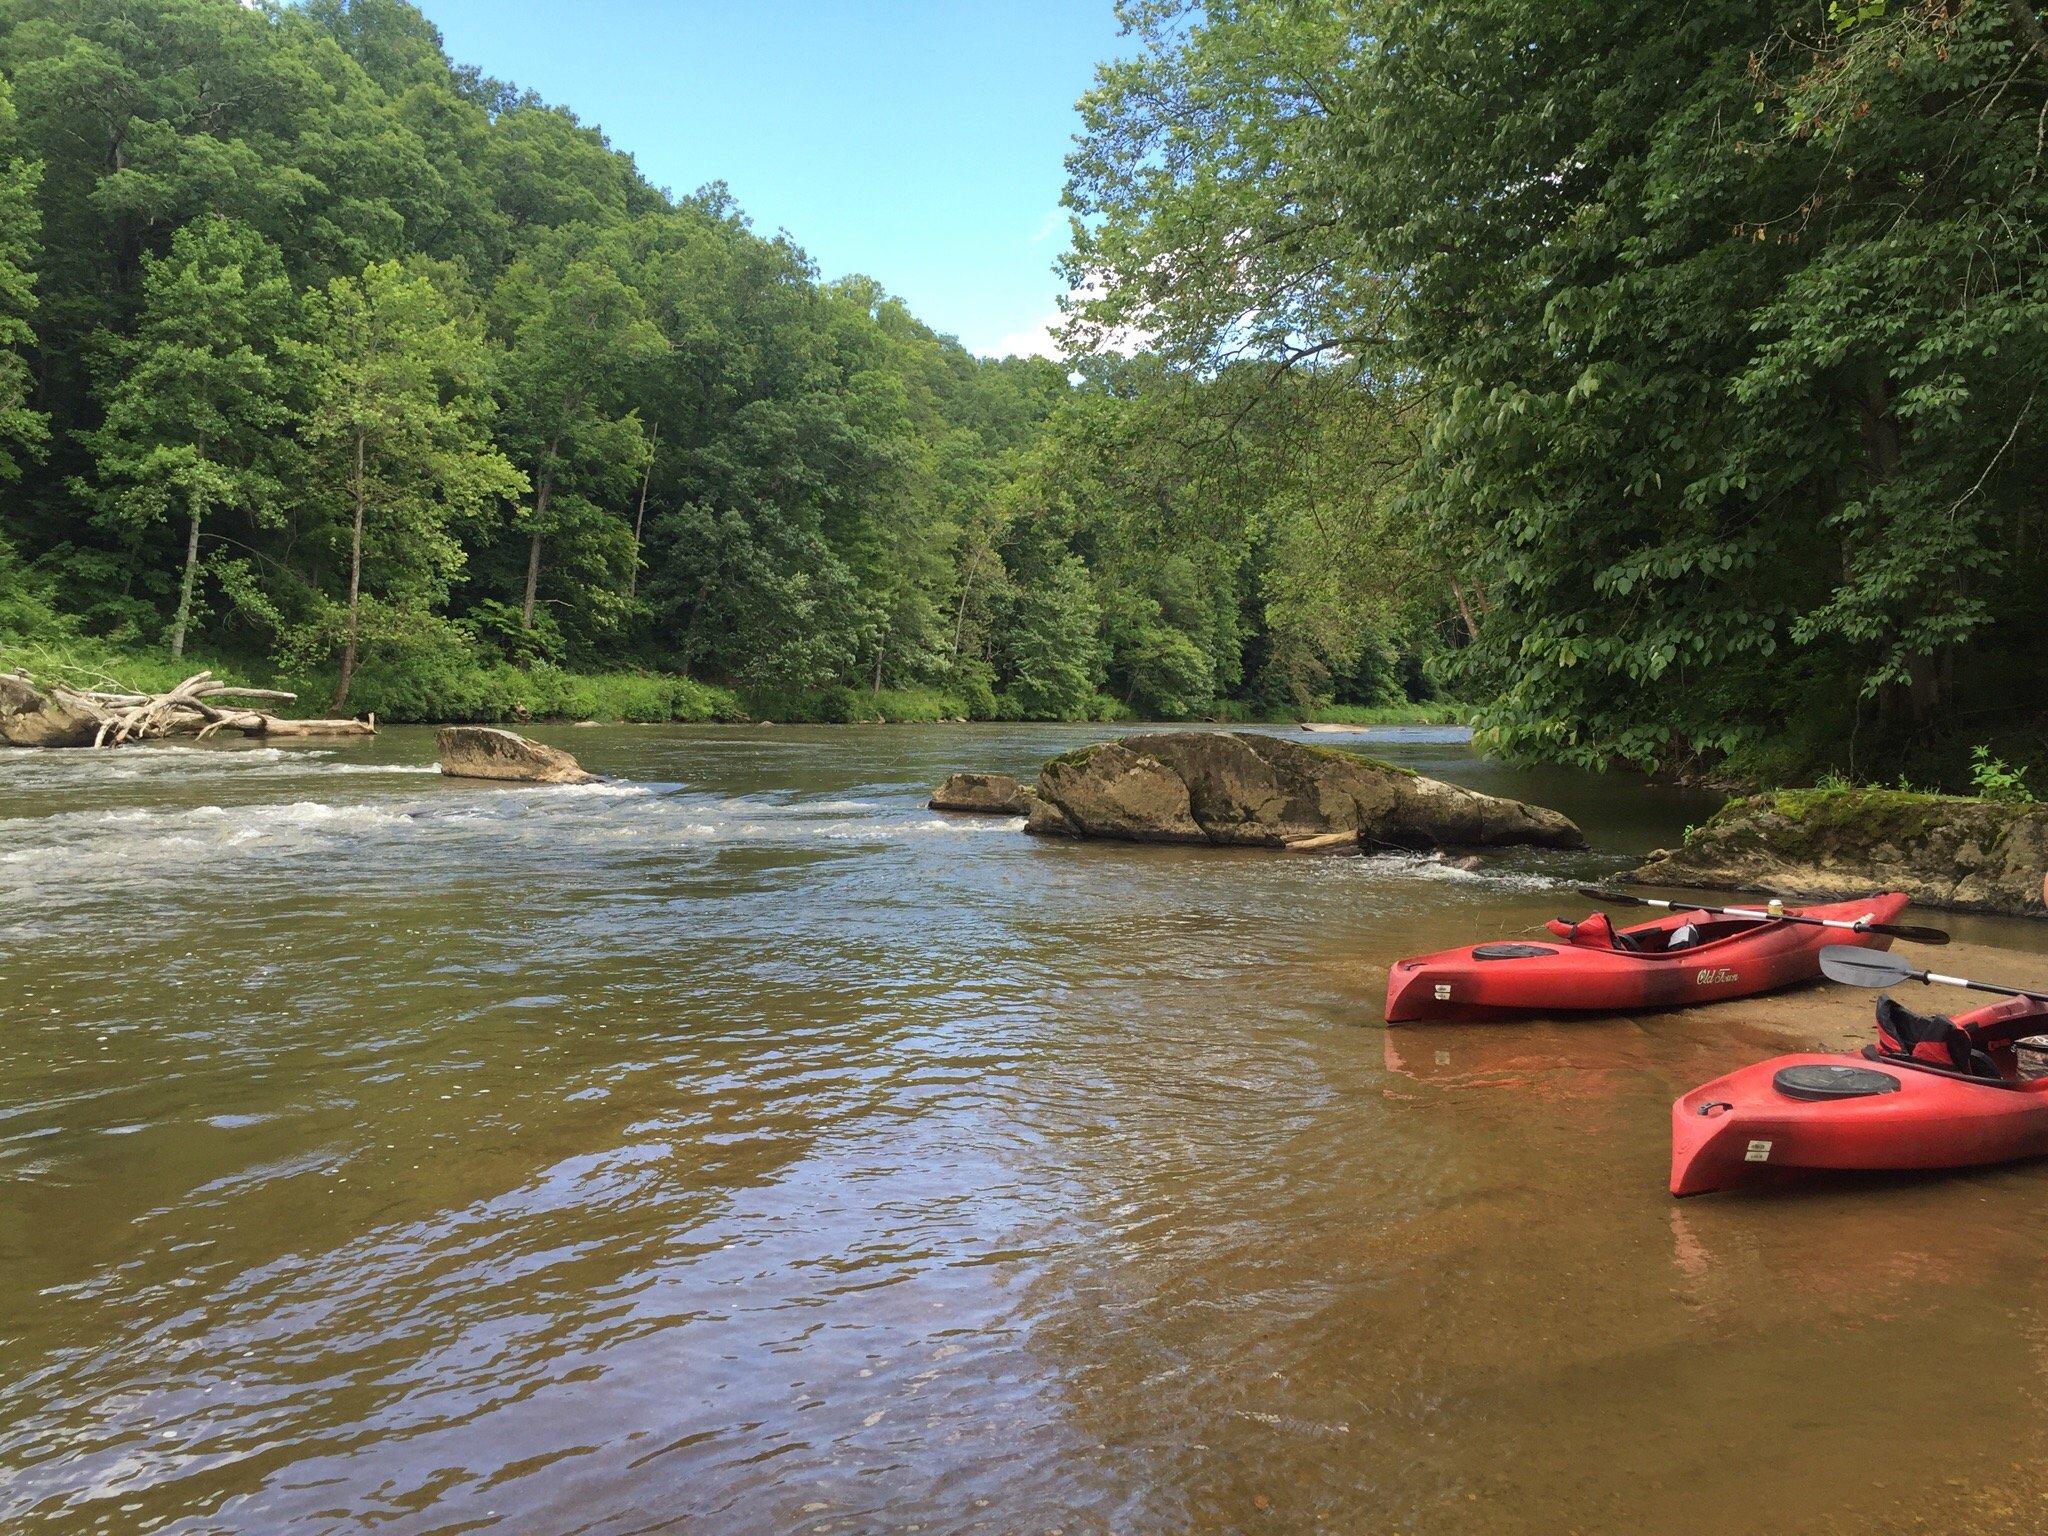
(335, 362)
(1660, 384)
(1719, 332)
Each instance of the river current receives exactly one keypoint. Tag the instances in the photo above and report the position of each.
(738, 1146)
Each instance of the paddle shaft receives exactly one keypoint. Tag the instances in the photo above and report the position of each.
(1924, 935)
(1979, 986)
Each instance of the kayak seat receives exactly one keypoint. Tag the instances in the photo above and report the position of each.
(1933, 1038)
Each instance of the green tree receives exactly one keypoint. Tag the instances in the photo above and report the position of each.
(1723, 326)
(198, 401)
(1051, 651)
(575, 336)
(398, 434)
(23, 430)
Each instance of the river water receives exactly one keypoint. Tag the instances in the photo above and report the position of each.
(738, 1146)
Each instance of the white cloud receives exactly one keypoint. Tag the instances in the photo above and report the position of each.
(1042, 338)
(1033, 341)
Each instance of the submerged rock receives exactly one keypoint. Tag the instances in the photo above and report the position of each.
(479, 752)
(29, 717)
(1262, 791)
(1830, 844)
(983, 794)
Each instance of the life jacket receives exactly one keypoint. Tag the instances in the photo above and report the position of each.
(1595, 932)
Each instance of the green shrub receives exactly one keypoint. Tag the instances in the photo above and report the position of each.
(1995, 779)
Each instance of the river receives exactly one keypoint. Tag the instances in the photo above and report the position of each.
(738, 1146)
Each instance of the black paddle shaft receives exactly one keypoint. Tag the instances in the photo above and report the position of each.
(1908, 931)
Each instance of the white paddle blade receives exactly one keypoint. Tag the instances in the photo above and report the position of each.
(1863, 967)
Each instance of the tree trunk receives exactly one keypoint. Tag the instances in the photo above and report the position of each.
(1882, 440)
(540, 511)
(960, 614)
(1464, 610)
(185, 588)
(640, 516)
(1883, 454)
(355, 583)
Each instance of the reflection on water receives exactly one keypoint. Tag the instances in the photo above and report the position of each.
(739, 1146)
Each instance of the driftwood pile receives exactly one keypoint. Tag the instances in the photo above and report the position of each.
(185, 708)
(199, 706)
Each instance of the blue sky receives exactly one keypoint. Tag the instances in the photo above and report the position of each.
(918, 141)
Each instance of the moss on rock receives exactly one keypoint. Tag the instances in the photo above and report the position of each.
(1943, 850)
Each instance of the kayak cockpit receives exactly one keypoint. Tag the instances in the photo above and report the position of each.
(1668, 936)
(1980, 1047)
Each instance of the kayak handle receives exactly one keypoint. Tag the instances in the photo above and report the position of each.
(1713, 1104)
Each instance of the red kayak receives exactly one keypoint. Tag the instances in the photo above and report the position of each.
(1933, 1093)
(1684, 958)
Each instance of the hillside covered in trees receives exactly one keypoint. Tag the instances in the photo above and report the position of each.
(1666, 383)
(332, 360)
(1721, 330)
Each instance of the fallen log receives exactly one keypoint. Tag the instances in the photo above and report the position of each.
(125, 717)
(1324, 842)
(272, 725)
(59, 714)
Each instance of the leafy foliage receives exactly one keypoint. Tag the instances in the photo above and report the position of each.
(1722, 327)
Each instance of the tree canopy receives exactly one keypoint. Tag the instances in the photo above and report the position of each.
(1719, 330)
(319, 349)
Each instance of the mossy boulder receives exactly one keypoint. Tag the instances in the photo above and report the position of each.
(1829, 844)
(1245, 789)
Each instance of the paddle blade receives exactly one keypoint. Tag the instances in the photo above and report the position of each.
(1617, 898)
(1909, 932)
(1864, 967)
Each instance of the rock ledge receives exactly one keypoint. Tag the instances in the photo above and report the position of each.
(1831, 844)
(1244, 789)
(982, 794)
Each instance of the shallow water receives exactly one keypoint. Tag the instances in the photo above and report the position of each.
(740, 1147)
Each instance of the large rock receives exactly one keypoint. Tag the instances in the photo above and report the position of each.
(30, 717)
(1833, 844)
(1262, 791)
(986, 794)
(479, 752)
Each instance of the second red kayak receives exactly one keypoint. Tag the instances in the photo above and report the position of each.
(1932, 1093)
(1593, 967)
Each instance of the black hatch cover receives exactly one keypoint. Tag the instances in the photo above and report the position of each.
(1814, 1081)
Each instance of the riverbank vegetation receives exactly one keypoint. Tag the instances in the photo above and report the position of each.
(365, 374)
(1719, 331)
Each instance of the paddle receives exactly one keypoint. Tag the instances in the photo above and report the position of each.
(1873, 968)
(1891, 930)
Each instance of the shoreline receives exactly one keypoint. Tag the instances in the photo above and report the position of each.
(502, 694)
